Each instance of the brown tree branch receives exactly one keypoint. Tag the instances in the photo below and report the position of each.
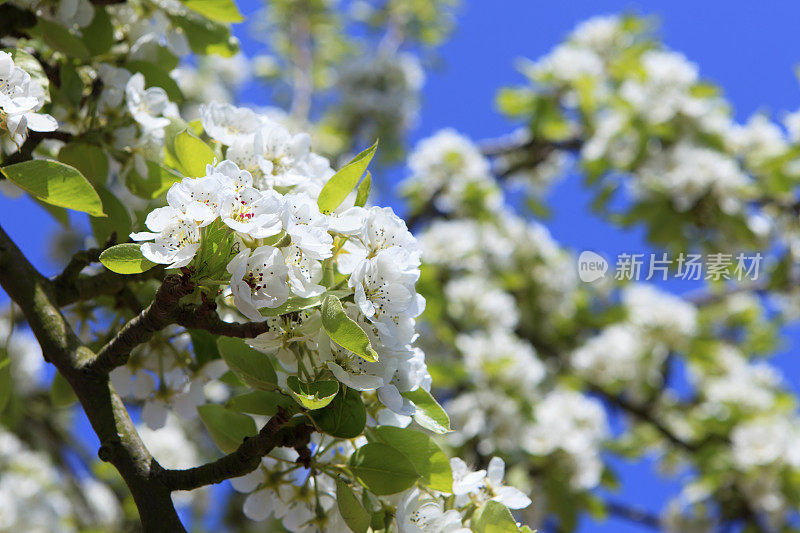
(205, 317)
(158, 315)
(104, 283)
(120, 443)
(245, 459)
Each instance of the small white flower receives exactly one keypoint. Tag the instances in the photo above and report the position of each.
(148, 106)
(422, 513)
(256, 213)
(384, 290)
(277, 158)
(485, 485)
(381, 229)
(20, 98)
(228, 124)
(176, 238)
(258, 280)
(304, 273)
(197, 198)
(307, 226)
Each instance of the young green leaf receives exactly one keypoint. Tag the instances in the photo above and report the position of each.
(252, 367)
(383, 469)
(216, 10)
(227, 428)
(355, 516)
(314, 395)
(259, 402)
(125, 259)
(193, 154)
(494, 517)
(57, 184)
(428, 458)
(429, 413)
(339, 186)
(344, 331)
(345, 417)
(362, 193)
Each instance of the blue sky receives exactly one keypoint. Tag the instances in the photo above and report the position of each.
(746, 47)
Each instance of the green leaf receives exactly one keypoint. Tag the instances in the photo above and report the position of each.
(193, 154)
(159, 179)
(252, 367)
(429, 413)
(217, 10)
(60, 38)
(204, 345)
(125, 259)
(89, 159)
(345, 417)
(355, 516)
(155, 76)
(494, 517)
(98, 36)
(227, 428)
(259, 402)
(61, 393)
(314, 395)
(57, 184)
(383, 469)
(71, 84)
(342, 183)
(362, 193)
(431, 462)
(5, 379)
(118, 219)
(344, 331)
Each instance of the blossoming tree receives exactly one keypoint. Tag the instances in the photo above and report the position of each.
(239, 295)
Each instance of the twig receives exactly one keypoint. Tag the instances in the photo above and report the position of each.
(205, 317)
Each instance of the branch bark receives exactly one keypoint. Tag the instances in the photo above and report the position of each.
(205, 317)
(245, 459)
(158, 315)
(120, 443)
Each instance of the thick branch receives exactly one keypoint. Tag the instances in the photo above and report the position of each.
(158, 315)
(121, 445)
(245, 459)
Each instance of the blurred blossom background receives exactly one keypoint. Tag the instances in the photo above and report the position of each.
(438, 91)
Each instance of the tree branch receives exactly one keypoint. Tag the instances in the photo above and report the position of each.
(158, 315)
(245, 459)
(205, 317)
(121, 445)
(104, 283)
